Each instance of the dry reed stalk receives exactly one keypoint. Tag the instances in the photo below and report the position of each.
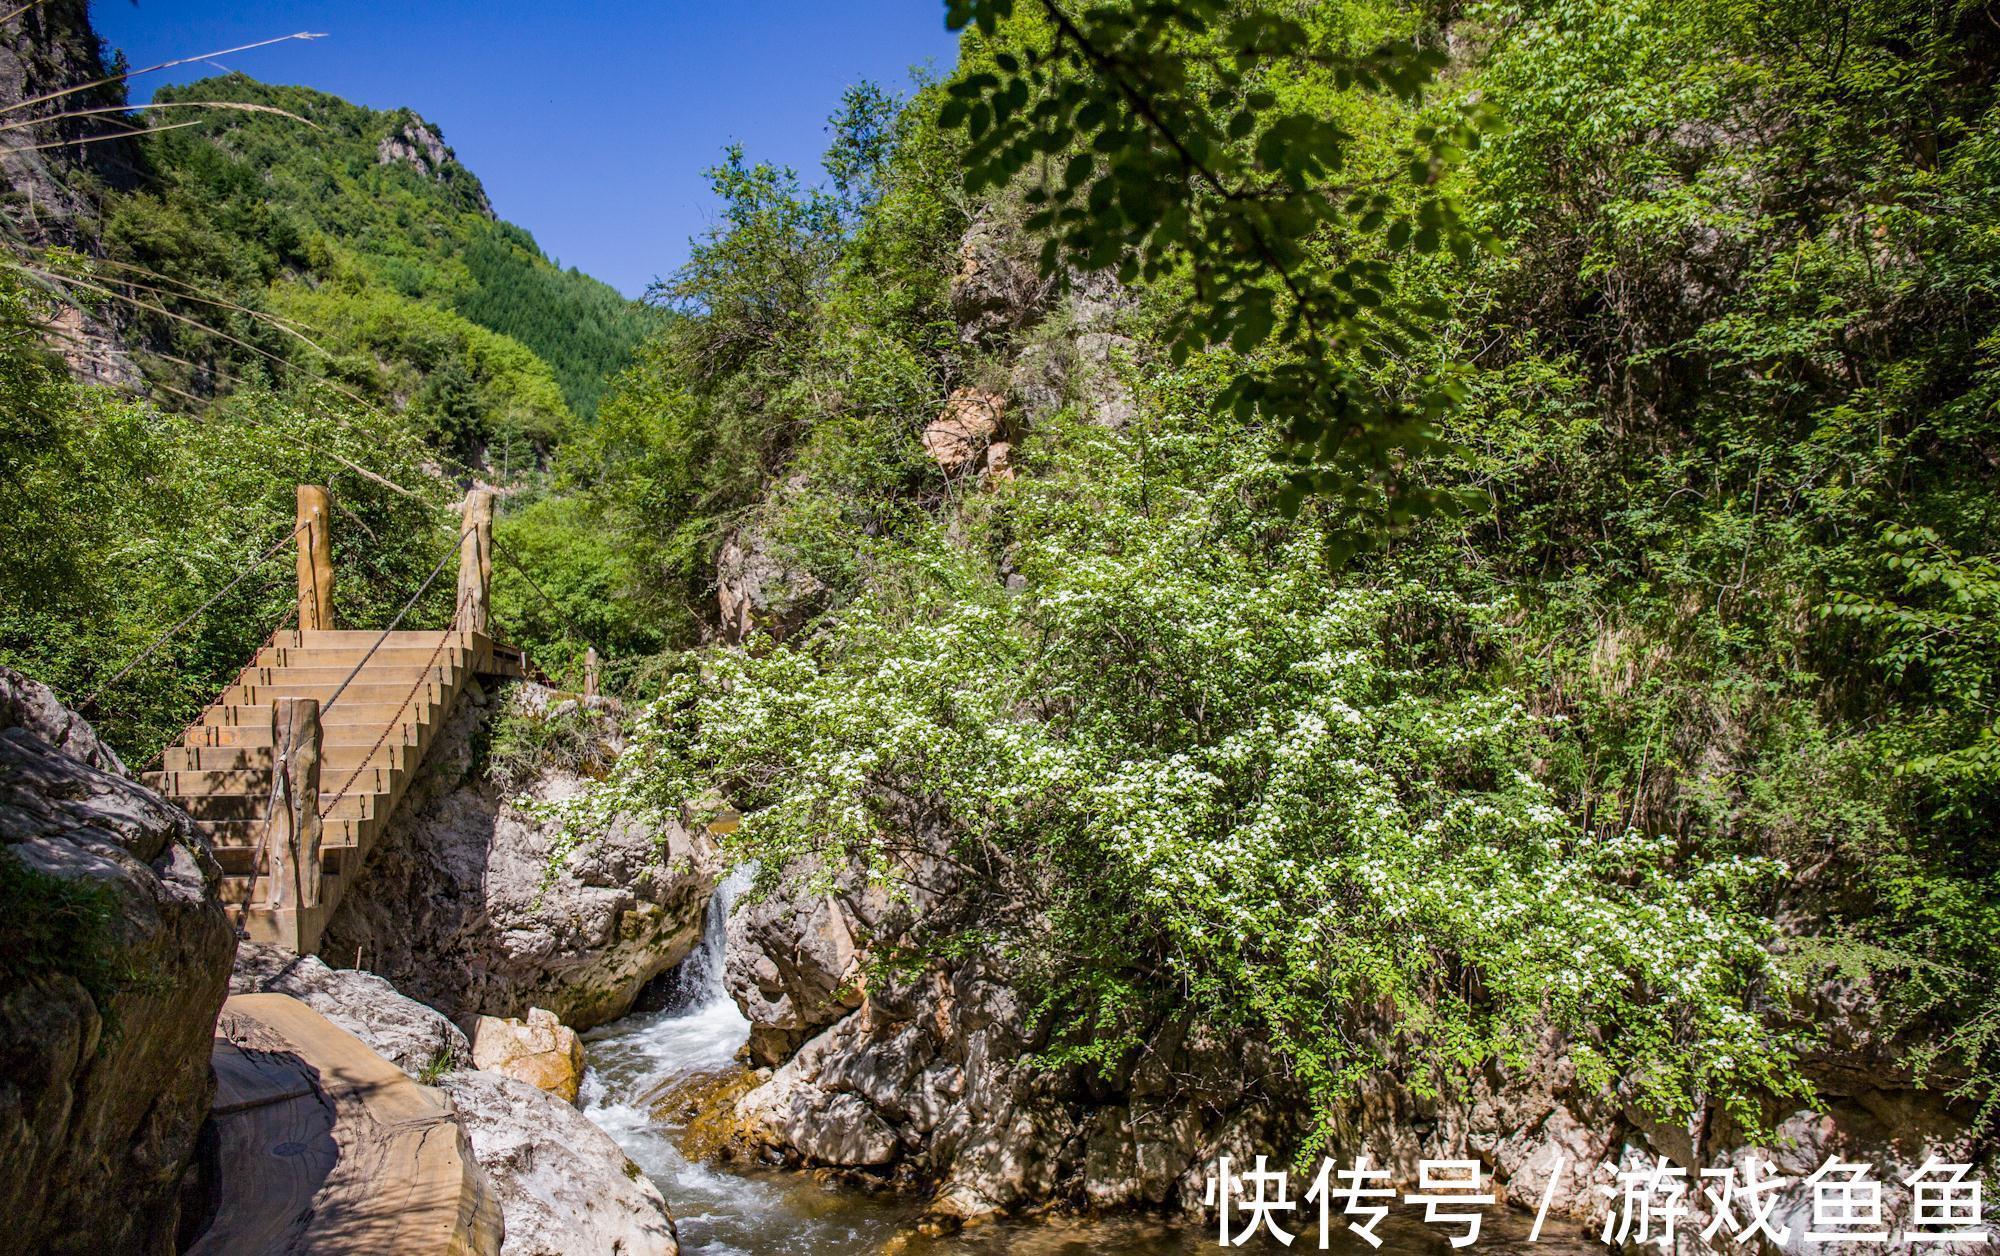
(164, 65)
(81, 140)
(240, 106)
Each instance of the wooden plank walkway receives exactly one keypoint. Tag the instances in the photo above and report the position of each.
(374, 736)
(294, 770)
(326, 1147)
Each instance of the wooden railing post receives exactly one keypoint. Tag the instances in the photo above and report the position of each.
(292, 823)
(590, 672)
(315, 558)
(475, 561)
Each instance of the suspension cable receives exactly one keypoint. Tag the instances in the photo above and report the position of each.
(414, 597)
(195, 614)
(562, 620)
(423, 678)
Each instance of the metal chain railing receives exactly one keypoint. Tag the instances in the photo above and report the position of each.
(160, 755)
(414, 598)
(423, 678)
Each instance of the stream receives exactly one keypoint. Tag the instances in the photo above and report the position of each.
(725, 1211)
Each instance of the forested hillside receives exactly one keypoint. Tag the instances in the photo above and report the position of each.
(1482, 515)
(370, 212)
(281, 288)
(1384, 530)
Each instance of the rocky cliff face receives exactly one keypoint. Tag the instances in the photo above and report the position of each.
(114, 959)
(923, 1079)
(417, 144)
(51, 164)
(454, 906)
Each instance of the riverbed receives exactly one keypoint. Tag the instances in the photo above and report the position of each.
(732, 1210)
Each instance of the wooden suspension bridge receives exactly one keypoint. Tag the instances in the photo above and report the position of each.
(293, 773)
(295, 769)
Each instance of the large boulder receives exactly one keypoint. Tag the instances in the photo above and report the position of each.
(541, 1051)
(791, 963)
(114, 960)
(457, 904)
(413, 1037)
(34, 707)
(565, 1187)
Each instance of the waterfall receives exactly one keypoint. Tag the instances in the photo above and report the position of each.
(697, 981)
(692, 1032)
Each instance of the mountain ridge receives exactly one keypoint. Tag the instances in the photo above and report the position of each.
(278, 187)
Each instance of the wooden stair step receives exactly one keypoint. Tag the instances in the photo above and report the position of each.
(252, 781)
(365, 638)
(407, 733)
(362, 692)
(379, 714)
(443, 672)
(348, 656)
(254, 806)
(251, 895)
(342, 757)
(335, 858)
(196, 784)
(356, 831)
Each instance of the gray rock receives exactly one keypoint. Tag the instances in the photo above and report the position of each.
(1080, 359)
(802, 1111)
(924, 1071)
(997, 288)
(454, 905)
(790, 964)
(101, 1094)
(1099, 383)
(564, 1186)
(33, 706)
(757, 589)
(415, 1038)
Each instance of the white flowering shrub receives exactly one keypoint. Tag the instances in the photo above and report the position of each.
(1205, 770)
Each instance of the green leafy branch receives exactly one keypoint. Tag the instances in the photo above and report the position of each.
(1176, 158)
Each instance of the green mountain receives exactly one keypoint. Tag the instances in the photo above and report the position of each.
(291, 232)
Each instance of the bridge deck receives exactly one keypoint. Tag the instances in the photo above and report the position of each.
(373, 735)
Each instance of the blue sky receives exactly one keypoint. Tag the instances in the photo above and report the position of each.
(589, 122)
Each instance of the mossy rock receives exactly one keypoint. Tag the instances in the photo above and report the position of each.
(703, 1106)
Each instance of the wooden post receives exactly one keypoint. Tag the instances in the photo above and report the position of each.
(315, 558)
(292, 823)
(475, 561)
(590, 672)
